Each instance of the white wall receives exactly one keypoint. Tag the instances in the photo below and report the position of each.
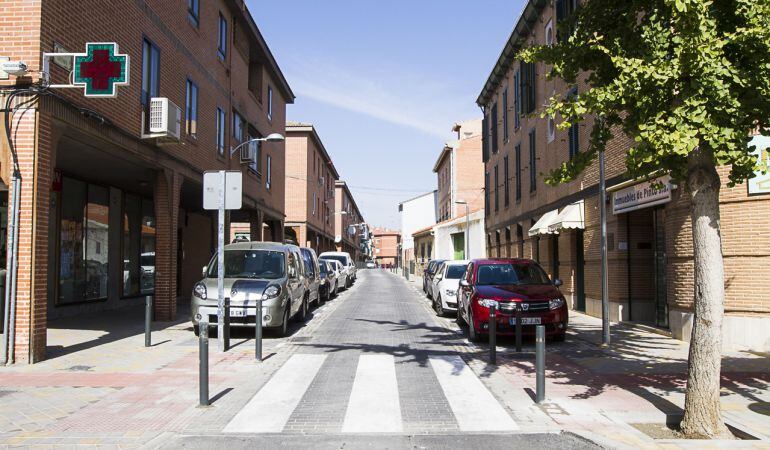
(444, 249)
(417, 214)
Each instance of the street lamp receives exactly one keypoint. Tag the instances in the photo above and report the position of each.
(273, 137)
(467, 229)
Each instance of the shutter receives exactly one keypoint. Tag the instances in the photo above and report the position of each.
(485, 139)
(560, 10)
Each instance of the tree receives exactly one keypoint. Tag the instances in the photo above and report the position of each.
(689, 81)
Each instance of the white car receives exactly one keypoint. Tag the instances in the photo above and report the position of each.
(446, 283)
(342, 275)
(349, 267)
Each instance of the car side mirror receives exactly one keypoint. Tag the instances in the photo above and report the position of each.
(557, 282)
(204, 271)
(464, 283)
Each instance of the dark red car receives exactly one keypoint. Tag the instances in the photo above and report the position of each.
(509, 283)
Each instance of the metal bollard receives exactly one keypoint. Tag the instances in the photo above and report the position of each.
(258, 331)
(226, 332)
(540, 363)
(203, 364)
(492, 334)
(148, 321)
(518, 328)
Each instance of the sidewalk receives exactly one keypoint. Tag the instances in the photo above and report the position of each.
(626, 394)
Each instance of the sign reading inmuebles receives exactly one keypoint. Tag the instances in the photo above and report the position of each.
(643, 195)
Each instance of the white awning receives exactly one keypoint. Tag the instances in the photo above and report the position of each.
(572, 216)
(541, 226)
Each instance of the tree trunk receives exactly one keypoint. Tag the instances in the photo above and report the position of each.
(702, 413)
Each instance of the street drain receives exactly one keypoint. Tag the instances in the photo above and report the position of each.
(301, 339)
(79, 368)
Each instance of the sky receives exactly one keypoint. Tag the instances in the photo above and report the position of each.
(384, 81)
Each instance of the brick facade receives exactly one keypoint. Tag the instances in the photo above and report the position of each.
(345, 242)
(386, 244)
(649, 250)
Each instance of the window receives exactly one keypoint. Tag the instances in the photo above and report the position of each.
(486, 192)
(528, 87)
(505, 115)
(564, 11)
(517, 158)
(506, 181)
(494, 128)
(222, 43)
(255, 79)
(497, 193)
(269, 178)
(574, 130)
(269, 103)
(549, 33)
(237, 128)
(532, 162)
(150, 72)
(221, 127)
(191, 110)
(516, 101)
(315, 203)
(485, 138)
(83, 242)
(551, 130)
(193, 11)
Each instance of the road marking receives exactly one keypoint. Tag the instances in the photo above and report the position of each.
(270, 409)
(474, 407)
(373, 406)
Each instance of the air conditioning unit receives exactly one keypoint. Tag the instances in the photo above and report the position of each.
(321, 180)
(165, 119)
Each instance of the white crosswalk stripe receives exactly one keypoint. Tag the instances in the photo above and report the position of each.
(374, 405)
(270, 409)
(473, 405)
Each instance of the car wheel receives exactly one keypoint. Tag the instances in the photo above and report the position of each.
(473, 336)
(429, 294)
(561, 337)
(283, 330)
(439, 307)
(303, 310)
(460, 321)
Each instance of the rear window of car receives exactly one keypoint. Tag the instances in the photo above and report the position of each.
(503, 274)
(343, 260)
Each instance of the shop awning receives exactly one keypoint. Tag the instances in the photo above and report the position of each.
(541, 226)
(572, 216)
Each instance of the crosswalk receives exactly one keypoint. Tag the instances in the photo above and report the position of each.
(373, 405)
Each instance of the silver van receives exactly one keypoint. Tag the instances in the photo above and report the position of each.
(268, 270)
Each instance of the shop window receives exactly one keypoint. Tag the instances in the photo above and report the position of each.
(138, 246)
(83, 243)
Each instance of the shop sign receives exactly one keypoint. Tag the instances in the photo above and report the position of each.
(643, 195)
(760, 184)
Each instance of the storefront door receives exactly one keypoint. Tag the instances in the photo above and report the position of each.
(659, 246)
(580, 282)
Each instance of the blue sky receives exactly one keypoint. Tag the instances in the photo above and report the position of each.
(383, 82)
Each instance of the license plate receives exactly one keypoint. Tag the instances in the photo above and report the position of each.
(527, 321)
(238, 312)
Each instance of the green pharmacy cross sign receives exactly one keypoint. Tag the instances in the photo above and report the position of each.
(100, 69)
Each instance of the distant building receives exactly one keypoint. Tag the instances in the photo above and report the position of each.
(310, 189)
(349, 224)
(459, 171)
(386, 244)
(416, 213)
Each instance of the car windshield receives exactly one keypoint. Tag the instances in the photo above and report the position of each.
(502, 274)
(455, 272)
(343, 260)
(324, 268)
(251, 264)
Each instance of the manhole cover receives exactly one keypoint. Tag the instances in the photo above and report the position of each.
(301, 339)
(761, 408)
(4, 393)
(79, 368)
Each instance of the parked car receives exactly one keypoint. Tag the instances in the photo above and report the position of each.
(508, 284)
(370, 265)
(342, 277)
(312, 275)
(446, 283)
(348, 265)
(269, 270)
(328, 288)
(427, 277)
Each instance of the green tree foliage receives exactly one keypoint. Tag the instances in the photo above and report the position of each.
(674, 75)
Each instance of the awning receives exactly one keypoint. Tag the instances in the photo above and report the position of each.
(541, 226)
(572, 216)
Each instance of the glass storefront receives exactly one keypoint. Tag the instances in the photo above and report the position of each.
(138, 246)
(84, 242)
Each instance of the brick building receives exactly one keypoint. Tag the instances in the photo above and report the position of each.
(108, 214)
(348, 239)
(649, 232)
(460, 171)
(386, 244)
(310, 188)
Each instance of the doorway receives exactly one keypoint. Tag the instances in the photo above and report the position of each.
(580, 282)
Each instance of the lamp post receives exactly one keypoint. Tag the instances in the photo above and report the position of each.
(467, 228)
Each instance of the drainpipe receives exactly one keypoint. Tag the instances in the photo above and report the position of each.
(9, 319)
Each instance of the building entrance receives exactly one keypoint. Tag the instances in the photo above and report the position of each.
(646, 278)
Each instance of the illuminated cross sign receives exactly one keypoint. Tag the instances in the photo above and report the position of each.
(100, 69)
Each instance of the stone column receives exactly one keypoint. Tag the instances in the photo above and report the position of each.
(168, 186)
(256, 218)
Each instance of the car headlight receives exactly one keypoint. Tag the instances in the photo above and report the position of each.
(450, 293)
(200, 291)
(556, 303)
(488, 303)
(272, 292)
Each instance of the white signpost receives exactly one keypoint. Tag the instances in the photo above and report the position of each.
(222, 189)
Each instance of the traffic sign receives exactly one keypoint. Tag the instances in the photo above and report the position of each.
(100, 69)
